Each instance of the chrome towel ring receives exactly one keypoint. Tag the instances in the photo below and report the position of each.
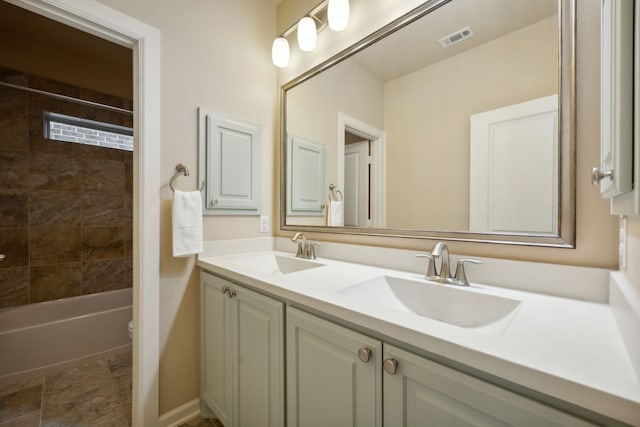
(335, 190)
(181, 170)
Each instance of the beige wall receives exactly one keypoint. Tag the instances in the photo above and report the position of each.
(596, 229)
(426, 120)
(315, 105)
(215, 54)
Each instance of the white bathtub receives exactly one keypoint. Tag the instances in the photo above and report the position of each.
(39, 338)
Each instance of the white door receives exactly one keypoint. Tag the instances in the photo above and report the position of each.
(356, 184)
(328, 384)
(513, 184)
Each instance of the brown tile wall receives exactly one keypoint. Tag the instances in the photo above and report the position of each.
(65, 208)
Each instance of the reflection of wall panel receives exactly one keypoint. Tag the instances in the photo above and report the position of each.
(305, 173)
(427, 112)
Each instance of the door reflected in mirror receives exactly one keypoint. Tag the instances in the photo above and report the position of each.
(450, 124)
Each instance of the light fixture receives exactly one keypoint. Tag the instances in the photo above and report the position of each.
(280, 52)
(338, 14)
(307, 35)
(335, 13)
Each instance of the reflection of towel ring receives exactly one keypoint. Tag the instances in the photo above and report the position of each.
(181, 170)
(333, 190)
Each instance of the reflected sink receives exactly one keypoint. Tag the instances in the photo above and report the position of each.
(456, 306)
(276, 264)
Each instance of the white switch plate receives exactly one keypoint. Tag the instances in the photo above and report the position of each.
(622, 248)
(264, 223)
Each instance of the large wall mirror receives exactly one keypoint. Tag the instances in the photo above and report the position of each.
(456, 121)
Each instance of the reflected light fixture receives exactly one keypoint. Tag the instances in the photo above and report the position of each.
(280, 52)
(335, 13)
(307, 35)
(338, 14)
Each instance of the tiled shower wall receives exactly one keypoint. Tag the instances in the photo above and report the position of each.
(65, 208)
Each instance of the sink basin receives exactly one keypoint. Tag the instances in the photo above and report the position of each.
(276, 264)
(456, 306)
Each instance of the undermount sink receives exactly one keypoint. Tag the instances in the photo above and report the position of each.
(445, 303)
(276, 264)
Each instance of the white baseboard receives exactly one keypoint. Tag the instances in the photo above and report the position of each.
(181, 414)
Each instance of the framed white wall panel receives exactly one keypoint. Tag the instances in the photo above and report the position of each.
(230, 164)
(306, 188)
(616, 142)
(629, 203)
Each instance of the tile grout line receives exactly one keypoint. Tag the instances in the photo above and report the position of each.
(42, 400)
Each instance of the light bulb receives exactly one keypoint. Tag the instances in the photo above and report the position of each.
(307, 35)
(280, 52)
(338, 13)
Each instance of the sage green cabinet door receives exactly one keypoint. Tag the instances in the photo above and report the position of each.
(327, 383)
(258, 345)
(242, 354)
(424, 393)
(215, 355)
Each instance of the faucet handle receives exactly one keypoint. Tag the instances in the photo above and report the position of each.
(311, 250)
(431, 265)
(461, 277)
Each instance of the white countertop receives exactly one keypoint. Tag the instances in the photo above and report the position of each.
(565, 348)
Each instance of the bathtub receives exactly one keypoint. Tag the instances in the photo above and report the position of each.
(40, 338)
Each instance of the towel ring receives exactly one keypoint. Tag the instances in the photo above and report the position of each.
(181, 170)
(333, 190)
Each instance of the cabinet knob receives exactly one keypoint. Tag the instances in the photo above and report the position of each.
(597, 175)
(391, 366)
(364, 354)
(226, 290)
(232, 293)
(2, 257)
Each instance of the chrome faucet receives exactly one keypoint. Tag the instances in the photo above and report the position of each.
(443, 275)
(440, 250)
(306, 249)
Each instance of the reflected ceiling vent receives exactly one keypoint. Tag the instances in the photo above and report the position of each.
(456, 37)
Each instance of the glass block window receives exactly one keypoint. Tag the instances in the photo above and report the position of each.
(90, 132)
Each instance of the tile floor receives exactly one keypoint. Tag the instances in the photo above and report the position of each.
(93, 392)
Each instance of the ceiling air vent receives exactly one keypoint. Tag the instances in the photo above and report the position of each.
(456, 37)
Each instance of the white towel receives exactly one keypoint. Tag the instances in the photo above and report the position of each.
(335, 217)
(186, 218)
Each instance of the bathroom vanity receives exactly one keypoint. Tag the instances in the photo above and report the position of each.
(342, 343)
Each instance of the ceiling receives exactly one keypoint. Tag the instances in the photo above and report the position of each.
(488, 20)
